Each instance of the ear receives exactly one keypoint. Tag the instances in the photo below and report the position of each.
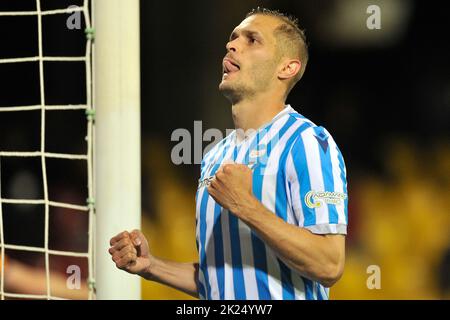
(289, 69)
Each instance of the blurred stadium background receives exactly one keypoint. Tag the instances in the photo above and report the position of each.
(383, 94)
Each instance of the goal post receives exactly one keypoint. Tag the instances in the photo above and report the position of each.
(116, 65)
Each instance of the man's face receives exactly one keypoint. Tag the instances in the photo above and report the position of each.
(250, 65)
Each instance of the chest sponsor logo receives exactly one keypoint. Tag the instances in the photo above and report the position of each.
(205, 182)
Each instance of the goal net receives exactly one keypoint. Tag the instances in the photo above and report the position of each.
(104, 180)
(43, 156)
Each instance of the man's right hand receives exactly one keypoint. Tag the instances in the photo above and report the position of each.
(130, 252)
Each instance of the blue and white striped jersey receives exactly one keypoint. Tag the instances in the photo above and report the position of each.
(299, 175)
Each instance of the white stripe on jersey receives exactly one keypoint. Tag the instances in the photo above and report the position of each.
(296, 202)
(268, 200)
(210, 254)
(315, 172)
(251, 290)
(338, 184)
(228, 269)
(299, 286)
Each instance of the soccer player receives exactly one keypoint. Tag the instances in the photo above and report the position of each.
(271, 199)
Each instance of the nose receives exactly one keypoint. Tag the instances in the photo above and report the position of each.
(231, 46)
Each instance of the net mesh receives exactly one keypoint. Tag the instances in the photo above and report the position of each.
(43, 155)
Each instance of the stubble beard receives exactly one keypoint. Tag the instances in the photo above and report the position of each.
(239, 90)
(235, 92)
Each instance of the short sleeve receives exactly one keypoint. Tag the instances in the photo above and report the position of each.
(317, 183)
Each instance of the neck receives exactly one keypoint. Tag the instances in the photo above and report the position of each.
(253, 113)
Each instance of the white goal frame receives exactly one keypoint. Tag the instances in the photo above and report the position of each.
(116, 65)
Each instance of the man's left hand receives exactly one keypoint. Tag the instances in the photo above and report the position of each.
(232, 187)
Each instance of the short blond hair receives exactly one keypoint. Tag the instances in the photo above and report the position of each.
(290, 37)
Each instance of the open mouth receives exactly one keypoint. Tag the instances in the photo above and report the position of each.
(229, 66)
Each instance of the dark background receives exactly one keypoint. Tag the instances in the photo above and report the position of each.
(363, 92)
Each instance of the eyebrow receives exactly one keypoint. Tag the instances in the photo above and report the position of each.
(248, 33)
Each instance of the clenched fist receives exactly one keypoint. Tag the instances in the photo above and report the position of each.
(130, 252)
(232, 186)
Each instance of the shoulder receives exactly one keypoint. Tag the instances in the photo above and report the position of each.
(310, 134)
(312, 144)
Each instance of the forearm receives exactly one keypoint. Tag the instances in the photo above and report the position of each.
(313, 256)
(28, 280)
(181, 276)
